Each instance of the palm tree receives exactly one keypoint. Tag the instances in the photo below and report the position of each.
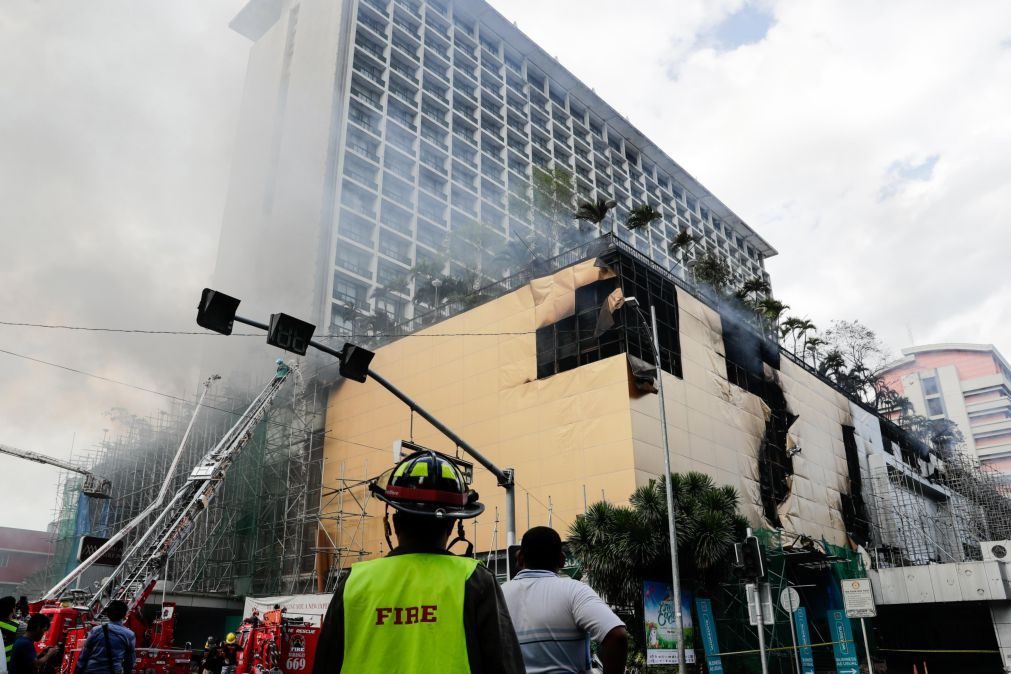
(751, 289)
(770, 310)
(803, 327)
(812, 345)
(680, 246)
(594, 212)
(832, 365)
(790, 326)
(642, 216)
(619, 546)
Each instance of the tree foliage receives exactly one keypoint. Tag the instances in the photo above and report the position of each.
(620, 546)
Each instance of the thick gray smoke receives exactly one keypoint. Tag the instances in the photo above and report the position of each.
(117, 125)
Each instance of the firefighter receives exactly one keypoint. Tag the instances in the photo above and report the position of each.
(8, 627)
(420, 608)
(213, 658)
(231, 651)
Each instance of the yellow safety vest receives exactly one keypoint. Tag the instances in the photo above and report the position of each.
(10, 631)
(404, 614)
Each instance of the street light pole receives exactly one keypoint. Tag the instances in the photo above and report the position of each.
(671, 525)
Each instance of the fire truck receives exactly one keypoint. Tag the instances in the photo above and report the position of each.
(73, 613)
(275, 642)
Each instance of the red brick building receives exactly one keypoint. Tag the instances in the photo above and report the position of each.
(22, 553)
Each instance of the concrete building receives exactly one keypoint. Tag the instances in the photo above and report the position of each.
(23, 552)
(967, 383)
(527, 379)
(378, 134)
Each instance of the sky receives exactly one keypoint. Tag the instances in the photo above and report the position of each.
(868, 142)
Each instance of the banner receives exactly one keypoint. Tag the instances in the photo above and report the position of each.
(707, 628)
(844, 649)
(804, 641)
(311, 607)
(661, 634)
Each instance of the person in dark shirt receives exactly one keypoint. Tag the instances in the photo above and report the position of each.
(24, 659)
(213, 658)
(420, 609)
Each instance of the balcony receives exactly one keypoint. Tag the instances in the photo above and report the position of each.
(371, 98)
(372, 74)
(376, 26)
(370, 48)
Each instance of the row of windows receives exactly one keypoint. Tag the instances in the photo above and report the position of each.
(642, 171)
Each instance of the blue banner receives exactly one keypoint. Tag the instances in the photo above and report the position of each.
(843, 647)
(804, 641)
(707, 625)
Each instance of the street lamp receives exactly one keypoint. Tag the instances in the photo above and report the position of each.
(671, 525)
(436, 283)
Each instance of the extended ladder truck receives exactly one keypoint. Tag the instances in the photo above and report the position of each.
(92, 485)
(134, 579)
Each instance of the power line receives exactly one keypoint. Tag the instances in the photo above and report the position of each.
(81, 328)
(170, 396)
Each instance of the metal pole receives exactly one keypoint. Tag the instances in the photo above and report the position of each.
(793, 630)
(867, 646)
(505, 477)
(671, 526)
(761, 627)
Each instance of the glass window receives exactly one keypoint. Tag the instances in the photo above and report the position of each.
(934, 407)
(930, 387)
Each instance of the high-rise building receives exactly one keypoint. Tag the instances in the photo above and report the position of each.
(379, 135)
(967, 383)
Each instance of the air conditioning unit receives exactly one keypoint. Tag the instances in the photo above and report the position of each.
(996, 551)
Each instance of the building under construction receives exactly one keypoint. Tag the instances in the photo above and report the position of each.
(258, 536)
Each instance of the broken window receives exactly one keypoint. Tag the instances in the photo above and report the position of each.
(573, 341)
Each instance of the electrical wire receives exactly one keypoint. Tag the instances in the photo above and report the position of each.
(171, 396)
(81, 328)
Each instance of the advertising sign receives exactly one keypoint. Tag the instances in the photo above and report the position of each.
(843, 647)
(858, 598)
(804, 641)
(90, 544)
(707, 628)
(661, 635)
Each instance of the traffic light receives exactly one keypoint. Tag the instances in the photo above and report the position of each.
(355, 362)
(216, 311)
(748, 559)
(289, 333)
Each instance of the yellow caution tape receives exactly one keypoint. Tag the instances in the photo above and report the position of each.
(933, 650)
(782, 648)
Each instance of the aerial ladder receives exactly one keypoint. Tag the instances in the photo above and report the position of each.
(94, 486)
(135, 577)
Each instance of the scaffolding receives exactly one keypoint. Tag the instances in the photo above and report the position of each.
(940, 517)
(256, 537)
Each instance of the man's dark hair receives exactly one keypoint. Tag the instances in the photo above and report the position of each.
(38, 621)
(542, 549)
(420, 527)
(116, 610)
(7, 605)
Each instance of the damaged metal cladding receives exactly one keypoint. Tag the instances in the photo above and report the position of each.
(753, 363)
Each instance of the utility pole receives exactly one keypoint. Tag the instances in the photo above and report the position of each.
(671, 524)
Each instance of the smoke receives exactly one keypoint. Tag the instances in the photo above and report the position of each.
(117, 132)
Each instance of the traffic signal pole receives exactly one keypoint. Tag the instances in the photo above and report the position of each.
(505, 477)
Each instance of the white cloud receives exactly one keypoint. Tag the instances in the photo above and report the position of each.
(801, 132)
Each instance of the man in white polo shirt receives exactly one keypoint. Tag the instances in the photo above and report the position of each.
(556, 617)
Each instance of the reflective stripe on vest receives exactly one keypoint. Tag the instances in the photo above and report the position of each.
(8, 640)
(405, 614)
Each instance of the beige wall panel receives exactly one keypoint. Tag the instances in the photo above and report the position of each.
(583, 431)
